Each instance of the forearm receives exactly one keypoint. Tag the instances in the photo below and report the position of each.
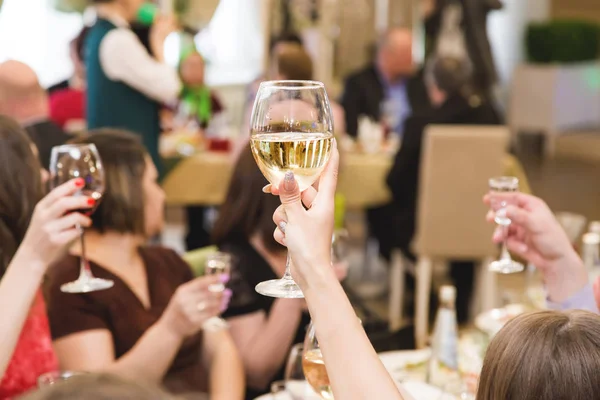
(274, 339)
(343, 341)
(151, 356)
(227, 381)
(18, 288)
(565, 277)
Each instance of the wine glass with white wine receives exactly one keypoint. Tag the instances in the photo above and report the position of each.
(291, 131)
(313, 365)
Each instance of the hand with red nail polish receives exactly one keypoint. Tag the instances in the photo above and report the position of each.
(536, 235)
(54, 224)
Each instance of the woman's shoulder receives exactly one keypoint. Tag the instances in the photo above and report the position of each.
(166, 259)
(63, 270)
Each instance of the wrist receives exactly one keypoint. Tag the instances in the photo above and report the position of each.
(167, 331)
(27, 260)
(565, 277)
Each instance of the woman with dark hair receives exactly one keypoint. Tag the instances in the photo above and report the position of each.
(33, 233)
(259, 325)
(149, 325)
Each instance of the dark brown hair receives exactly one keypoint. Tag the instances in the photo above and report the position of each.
(20, 187)
(98, 387)
(294, 63)
(545, 355)
(124, 161)
(247, 210)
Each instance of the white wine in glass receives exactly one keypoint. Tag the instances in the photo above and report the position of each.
(313, 365)
(291, 131)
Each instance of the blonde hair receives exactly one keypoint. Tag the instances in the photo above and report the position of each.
(545, 355)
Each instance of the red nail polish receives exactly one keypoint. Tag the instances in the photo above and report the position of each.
(79, 182)
(91, 202)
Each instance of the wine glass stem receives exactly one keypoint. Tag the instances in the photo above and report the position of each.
(85, 272)
(288, 265)
(505, 255)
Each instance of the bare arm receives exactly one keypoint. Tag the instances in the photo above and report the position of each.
(17, 291)
(257, 335)
(332, 313)
(93, 351)
(222, 359)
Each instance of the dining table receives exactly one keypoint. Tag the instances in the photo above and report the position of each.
(203, 178)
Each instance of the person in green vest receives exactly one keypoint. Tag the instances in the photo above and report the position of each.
(126, 84)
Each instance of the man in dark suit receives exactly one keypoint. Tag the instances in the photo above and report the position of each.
(448, 81)
(23, 99)
(391, 79)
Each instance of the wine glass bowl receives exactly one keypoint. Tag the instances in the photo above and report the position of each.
(291, 131)
(505, 264)
(313, 365)
(81, 161)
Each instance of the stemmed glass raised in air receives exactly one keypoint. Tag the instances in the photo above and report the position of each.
(73, 161)
(291, 131)
(504, 265)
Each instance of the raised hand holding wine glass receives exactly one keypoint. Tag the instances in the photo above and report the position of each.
(291, 132)
(81, 161)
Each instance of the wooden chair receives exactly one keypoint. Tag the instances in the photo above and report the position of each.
(456, 164)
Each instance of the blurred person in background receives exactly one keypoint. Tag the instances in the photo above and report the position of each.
(546, 355)
(149, 326)
(454, 101)
(99, 387)
(127, 84)
(67, 106)
(259, 325)
(390, 79)
(34, 232)
(198, 104)
(23, 99)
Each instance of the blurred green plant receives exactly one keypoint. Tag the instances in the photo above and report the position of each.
(70, 6)
(562, 42)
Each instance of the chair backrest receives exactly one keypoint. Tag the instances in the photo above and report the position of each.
(456, 164)
(197, 258)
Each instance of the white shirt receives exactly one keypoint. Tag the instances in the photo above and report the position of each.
(124, 58)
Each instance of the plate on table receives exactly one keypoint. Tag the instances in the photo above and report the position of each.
(492, 321)
(423, 391)
(295, 390)
(406, 364)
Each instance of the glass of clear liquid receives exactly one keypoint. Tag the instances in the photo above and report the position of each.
(217, 264)
(291, 131)
(505, 264)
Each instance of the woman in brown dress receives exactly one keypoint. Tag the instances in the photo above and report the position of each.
(149, 325)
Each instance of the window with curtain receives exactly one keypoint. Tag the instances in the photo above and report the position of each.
(34, 33)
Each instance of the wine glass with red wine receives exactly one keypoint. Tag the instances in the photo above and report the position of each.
(73, 161)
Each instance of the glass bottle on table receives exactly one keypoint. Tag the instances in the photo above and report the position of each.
(505, 264)
(442, 369)
(291, 132)
(81, 161)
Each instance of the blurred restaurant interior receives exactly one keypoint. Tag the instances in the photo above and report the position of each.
(432, 103)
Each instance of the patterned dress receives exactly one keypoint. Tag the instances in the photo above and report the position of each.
(33, 355)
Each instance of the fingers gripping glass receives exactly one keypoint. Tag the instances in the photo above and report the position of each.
(291, 131)
(81, 161)
(504, 265)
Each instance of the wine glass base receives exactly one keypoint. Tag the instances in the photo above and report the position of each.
(86, 285)
(282, 288)
(506, 267)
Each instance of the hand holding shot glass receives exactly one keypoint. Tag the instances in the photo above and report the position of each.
(504, 265)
